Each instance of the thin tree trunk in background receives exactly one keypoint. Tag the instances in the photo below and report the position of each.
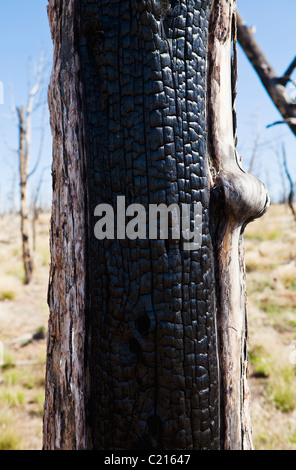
(24, 115)
(291, 193)
(24, 209)
(147, 342)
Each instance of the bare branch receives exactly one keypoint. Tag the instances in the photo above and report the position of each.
(272, 83)
(286, 77)
(13, 112)
(9, 149)
(42, 135)
(34, 90)
(285, 121)
(29, 108)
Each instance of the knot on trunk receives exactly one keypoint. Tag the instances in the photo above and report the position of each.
(245, 197)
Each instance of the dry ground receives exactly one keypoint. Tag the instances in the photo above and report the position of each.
(270, 245)
(23, 314)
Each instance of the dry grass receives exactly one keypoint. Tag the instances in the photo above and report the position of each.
(270, 245)
(23, 313)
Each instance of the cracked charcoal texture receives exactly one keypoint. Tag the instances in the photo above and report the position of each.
(154, 367)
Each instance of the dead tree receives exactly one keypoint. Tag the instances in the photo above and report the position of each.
(24, 115)
(24, 210)
(274, 85)
(147, 342)
(291, 193)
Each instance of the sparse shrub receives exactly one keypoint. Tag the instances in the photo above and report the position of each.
(16, 270)
(289, 281)
(260, 286)
(12, 377)
(274, 235)
(251, 266)
(292, 323)
(29, 382)
(8, 360)
(283, 389)
(39, 400)
(9, 440)
(9, 437)
(261, 236)
(293, 286)
(12, 397)
(271, 307)
(40, 333)
(7, 295)
(262, 362)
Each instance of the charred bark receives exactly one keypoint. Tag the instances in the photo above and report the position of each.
(141, 331)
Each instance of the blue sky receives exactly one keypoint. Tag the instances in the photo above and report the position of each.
(24, 32)
(275, 33)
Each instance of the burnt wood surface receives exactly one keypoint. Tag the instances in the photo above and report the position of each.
(154, 358)
(147, 341)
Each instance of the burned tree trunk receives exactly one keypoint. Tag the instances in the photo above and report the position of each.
(147, 338)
